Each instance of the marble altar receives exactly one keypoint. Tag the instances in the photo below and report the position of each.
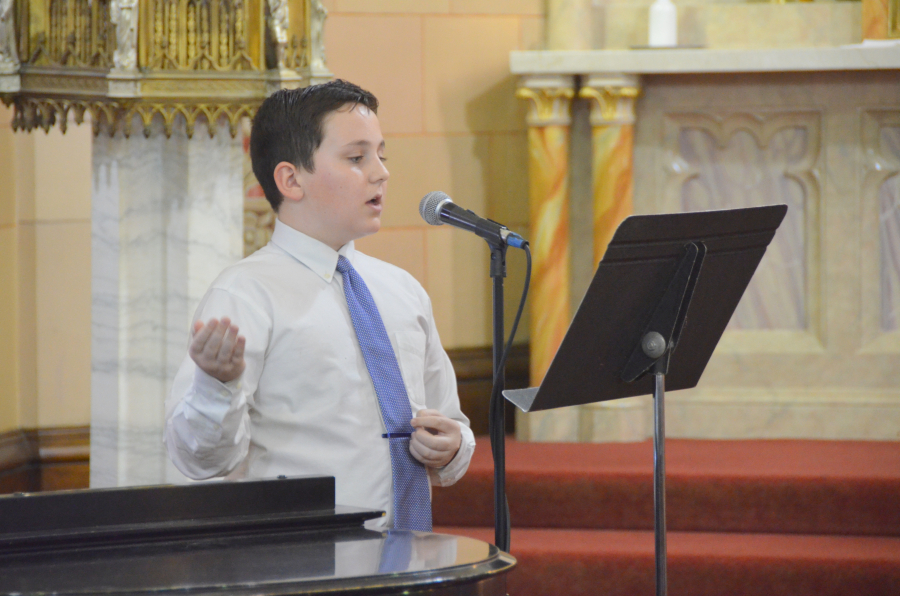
(814, 349)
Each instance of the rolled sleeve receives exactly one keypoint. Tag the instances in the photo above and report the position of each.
(211, 398)
(457, 467)
(207, 432)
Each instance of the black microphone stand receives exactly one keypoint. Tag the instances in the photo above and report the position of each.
(498, 406)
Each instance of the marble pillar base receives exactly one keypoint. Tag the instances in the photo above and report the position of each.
(749, 413)
(753, 413)
(617, 421)
(167, 217)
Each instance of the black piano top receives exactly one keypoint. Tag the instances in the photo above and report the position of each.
(283, 536)
(145, 514)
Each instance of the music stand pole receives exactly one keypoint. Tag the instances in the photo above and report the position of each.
(659, 480)
(654, 345)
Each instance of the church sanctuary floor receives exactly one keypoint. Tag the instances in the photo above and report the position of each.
(745, 518)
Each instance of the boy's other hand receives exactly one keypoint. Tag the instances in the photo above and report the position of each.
(218, 350)
(436, 440)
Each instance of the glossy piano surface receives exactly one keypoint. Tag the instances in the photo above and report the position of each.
(260, 537)
(317, 562)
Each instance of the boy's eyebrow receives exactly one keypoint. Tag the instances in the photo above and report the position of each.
(364, 143)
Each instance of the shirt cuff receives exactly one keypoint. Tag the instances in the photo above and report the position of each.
(211, 397)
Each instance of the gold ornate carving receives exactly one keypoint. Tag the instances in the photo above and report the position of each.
(259, 223)
(78, 33)
(316, 29)
(193, 88)
(612, 101)
(278, 19)
(124, 16)
(61, 81)
(547, 105)
(205, 59)
(191, 113)
(205, 35)
(9, 54)
(111, 116)
(296, 56)
(31, 113)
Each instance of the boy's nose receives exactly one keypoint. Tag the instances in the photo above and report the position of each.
(381, 172)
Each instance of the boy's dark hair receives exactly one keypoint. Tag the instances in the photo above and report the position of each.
(289, 127)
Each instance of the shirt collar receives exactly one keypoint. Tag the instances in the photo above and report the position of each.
(320, 258)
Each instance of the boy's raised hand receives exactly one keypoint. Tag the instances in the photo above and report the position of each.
(218, 350)
(436, 440)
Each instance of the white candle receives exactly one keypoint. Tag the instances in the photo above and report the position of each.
(663, 24)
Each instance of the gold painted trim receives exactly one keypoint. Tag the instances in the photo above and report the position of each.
(111, 116)
(211, 113)
(611, 105)
(547, 106)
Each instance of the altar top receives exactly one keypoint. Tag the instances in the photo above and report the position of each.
(877, 56)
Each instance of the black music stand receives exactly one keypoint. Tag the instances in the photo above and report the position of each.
(648, 298)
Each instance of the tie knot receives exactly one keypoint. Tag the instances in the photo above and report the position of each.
(343, 265)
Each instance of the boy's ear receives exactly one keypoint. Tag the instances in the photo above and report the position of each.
(288, 181)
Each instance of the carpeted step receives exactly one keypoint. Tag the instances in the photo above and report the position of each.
(621, 563)
(762, 486)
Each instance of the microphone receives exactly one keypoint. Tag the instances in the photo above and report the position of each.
(437, 208)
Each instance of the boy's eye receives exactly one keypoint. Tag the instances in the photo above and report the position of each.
(382, 158)
(356, 158)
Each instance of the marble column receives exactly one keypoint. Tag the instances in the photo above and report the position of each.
(549, 118)
(612, 98)
(166, 219)
(612, 139)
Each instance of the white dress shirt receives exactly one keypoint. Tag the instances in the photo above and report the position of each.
(305, 404)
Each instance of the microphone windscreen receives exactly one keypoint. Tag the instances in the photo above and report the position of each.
(430, 205)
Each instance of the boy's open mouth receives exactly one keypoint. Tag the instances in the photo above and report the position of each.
(375, 201)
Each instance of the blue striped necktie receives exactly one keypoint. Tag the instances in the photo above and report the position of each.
(412, 501)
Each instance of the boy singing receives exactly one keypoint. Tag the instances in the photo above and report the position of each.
(315, 358)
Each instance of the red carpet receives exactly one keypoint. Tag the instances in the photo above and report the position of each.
(755, 518)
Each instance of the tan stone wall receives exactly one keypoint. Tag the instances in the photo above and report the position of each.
(452, 123)
(441, 71)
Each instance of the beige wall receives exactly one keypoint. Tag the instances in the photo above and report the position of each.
(440, 70)
(45, 301)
